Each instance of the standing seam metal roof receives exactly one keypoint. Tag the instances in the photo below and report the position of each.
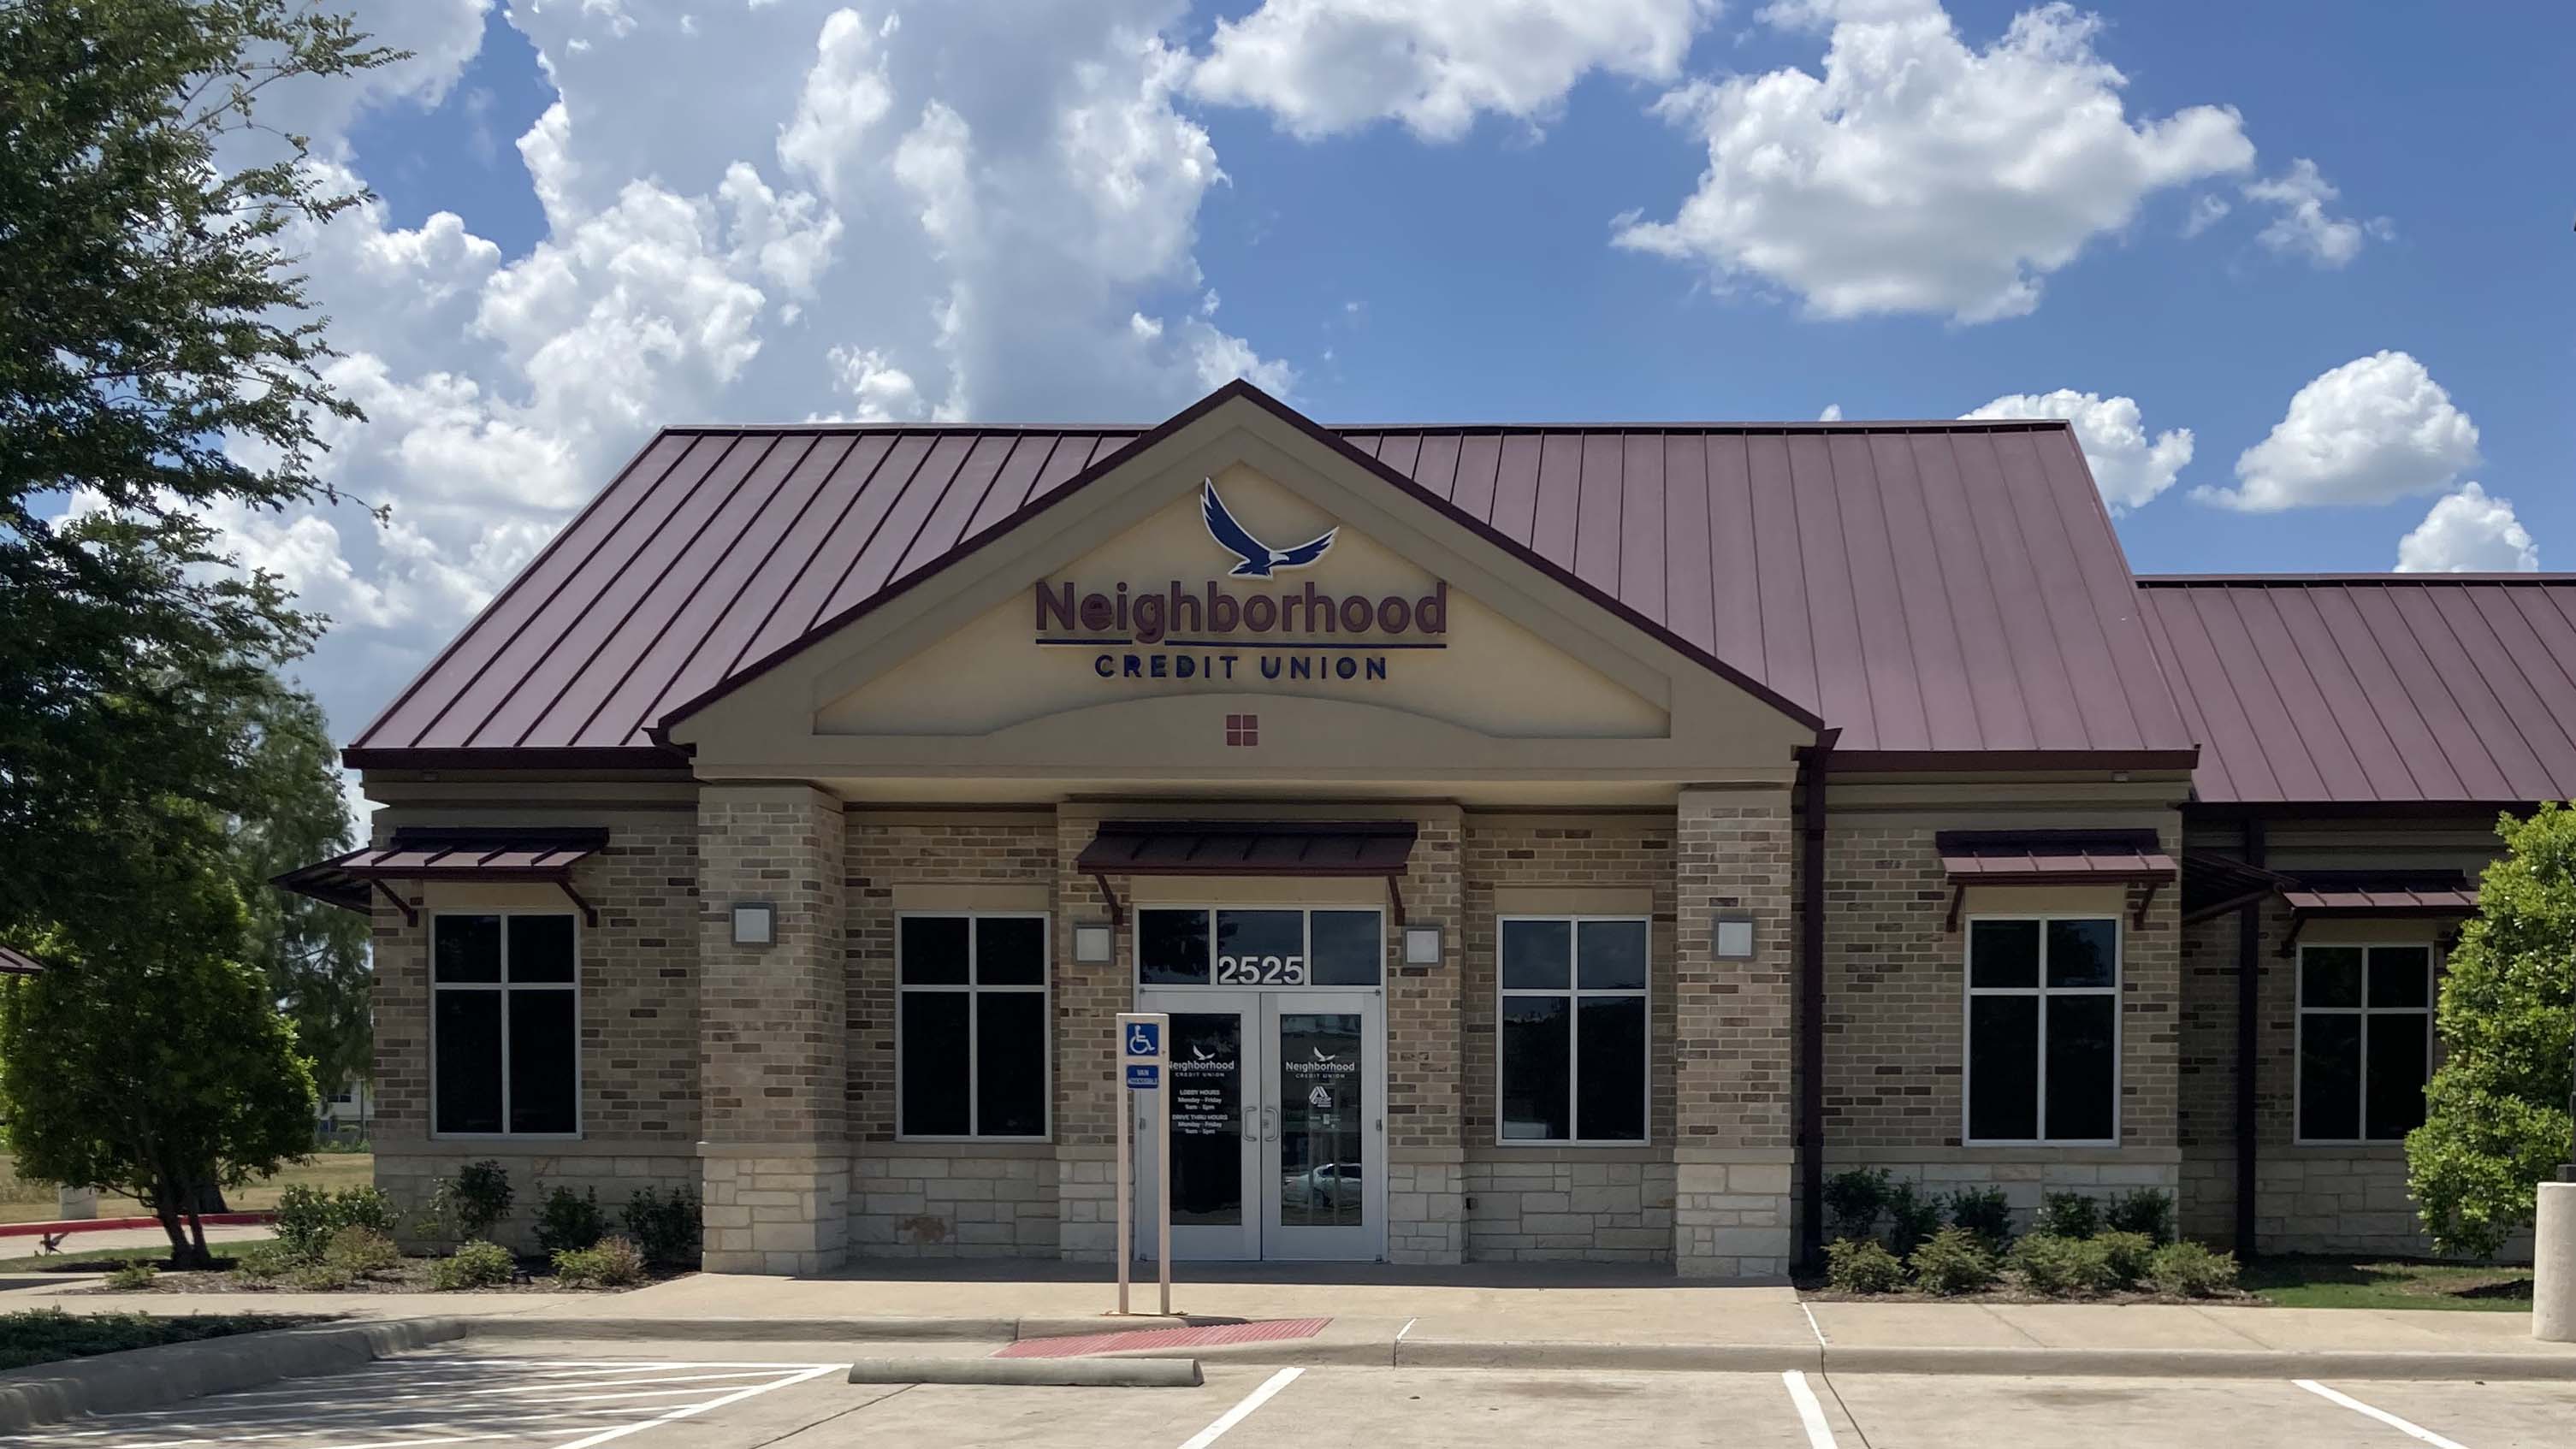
(2376, 688)
(1935, 588)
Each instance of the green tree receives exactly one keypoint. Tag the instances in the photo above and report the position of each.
(157, 356)
(315, 954)
(154, 1063)
(2496, 1120)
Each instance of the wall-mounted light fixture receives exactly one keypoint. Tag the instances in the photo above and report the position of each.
(755, 923)
(1093, 942)
(1731, 936)
(1422, 945)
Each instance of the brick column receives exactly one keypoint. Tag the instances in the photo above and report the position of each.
(1733, 1045)
(772, 1041)
(1426, 1204)
(1088, 999)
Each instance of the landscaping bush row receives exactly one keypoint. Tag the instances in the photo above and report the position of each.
(1856, 1202)
(2080, 1244)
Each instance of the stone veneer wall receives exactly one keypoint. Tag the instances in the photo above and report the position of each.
(932, 1200)
(638, 1030)
(1532, 1208)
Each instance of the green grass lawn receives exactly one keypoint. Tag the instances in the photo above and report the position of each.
(27, 1202)
(73, 1252)
(2361, 1283)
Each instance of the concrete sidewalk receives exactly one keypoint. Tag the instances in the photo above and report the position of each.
(1488, 1315)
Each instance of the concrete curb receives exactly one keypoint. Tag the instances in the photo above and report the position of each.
(144, 1378)
(2210, 1363)
(811, 1330)
(1086, 1373)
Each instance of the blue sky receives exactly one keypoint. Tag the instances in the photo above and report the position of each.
(1437, 240)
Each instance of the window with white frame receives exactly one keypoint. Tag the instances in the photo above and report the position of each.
(2043, 1059)
(505, 1025)
(971, 1025)
(1572, 1031)
(2365, 1041)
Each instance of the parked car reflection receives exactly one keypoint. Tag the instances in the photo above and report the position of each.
(1326, 1185)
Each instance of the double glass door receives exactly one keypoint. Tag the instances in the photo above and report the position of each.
(1278, 1125)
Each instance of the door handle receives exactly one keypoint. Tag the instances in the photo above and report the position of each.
(1269, 1122)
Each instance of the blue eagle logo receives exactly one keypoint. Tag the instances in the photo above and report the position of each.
(1258, 558)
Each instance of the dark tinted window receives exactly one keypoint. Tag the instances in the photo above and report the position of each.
(2081, 1067)
(1172, 948)
(1610, 1066)
(933, 1026)
(542, 1057)
(2083, 953)
(2400, 976)
(2003, 953)
(467, 948)
(1346, 947)
(2395, 1104)
(1537, 955)
(1010, 1063)
(468, 1029)
(1251, 939)
(933, 950)
(541, 949)
(2330, 976)
(2003, 1068)
(1610, 955)
(1010, 951)
(2330, 1075)
(1535, 1045)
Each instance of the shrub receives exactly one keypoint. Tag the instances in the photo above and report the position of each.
(2125, 1255)
(1853, 1200)
(666, 1228)
(134, 1276)
(359, 1251)
(2070, 1215)
(569, 1222)
(2053, 1265)
(2190, 1270)
(307, 1216)
(476, 1264)
(319, 1278)
(1862, 1265)
(1986, 1212)
(612, 1263)
(263, 1261)
(1913, 1216)
(1953, 1261)
(2148, 1210)
(479, 1196)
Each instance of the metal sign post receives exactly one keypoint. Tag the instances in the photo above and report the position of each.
(1142, 1064)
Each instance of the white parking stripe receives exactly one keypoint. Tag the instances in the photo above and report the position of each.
(737, 1396)
(1811, 1414)
(1230, 1417)
(2382, 1415)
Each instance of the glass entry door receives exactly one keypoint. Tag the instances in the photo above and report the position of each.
(1278, 1126)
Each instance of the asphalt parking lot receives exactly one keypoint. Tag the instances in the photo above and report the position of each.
(703, 1396)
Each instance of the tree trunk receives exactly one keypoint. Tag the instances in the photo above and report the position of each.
(171, 1224)
(171, 1203)
(197, 1232)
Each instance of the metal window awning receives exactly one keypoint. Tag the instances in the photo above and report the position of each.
(2313, 895)
(19, 963)
(1237, 847)
(352, 880)
(2131, 858)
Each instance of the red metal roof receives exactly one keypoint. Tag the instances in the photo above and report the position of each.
(2374, 903)
(1926, 588)
(1235, 847)
(2052, 857)
(2374, 689)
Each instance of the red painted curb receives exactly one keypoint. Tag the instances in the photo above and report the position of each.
(96, 1225)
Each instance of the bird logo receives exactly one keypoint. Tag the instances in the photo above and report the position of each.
(1323, 1056)
(1258, 558)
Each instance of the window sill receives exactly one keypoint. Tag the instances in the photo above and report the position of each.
(1575, 1144)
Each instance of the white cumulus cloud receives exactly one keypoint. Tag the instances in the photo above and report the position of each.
(2129, 467)
(1919, 173)
(2374, 430)
(2468, 532)
(2303, 226)
(1322, 67)
(796, 210)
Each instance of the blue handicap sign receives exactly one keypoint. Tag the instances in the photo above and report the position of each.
(1144, 1039)
(1143, 1076)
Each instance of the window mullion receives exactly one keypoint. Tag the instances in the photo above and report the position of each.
(974, 973)
(507, 1121)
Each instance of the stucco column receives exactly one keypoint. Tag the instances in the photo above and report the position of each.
(772, 1034)
(2553, 1260)
(1733, 1045)
(1426, 1203)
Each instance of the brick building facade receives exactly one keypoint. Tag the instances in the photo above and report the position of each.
(1583, 844)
